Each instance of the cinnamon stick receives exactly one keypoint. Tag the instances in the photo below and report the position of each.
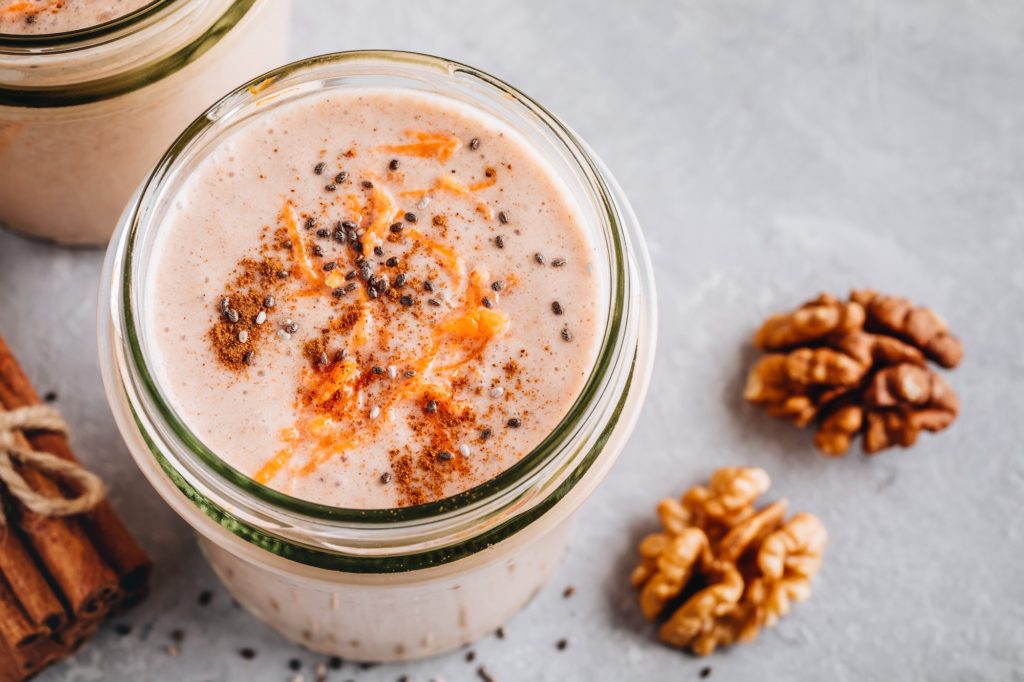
(23, 576)
(85, 581)
(102, 526)
(16, 630)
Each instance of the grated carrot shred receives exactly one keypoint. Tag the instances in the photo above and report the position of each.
(298, 246)
(269, 470)
(427, 145)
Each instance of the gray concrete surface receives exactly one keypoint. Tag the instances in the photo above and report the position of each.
(771, 150)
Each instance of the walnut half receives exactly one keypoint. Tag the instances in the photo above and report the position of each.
(722, 568)
(856, 367)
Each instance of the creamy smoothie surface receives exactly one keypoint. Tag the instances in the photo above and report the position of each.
(60, 16)
(372, 298)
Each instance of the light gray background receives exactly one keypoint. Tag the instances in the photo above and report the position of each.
(771, 150)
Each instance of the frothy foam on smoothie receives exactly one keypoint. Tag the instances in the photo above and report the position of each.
(373, 298)
(59, 16)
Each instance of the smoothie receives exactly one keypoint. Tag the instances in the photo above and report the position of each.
(372, 298)
(58, 16)
(83, 120)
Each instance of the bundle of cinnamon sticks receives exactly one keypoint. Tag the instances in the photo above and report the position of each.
(60, 577)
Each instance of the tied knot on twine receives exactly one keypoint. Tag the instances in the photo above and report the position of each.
(88, 486)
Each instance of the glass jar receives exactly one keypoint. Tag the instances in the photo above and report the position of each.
(85, 114)
(386, 584)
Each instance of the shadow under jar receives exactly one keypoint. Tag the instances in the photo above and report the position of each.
(84, 114)
(404, 582)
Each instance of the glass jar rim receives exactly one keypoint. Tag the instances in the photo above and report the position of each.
(23, 56)
(87, 34)
(271, 85)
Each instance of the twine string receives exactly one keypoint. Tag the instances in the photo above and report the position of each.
(88, 486)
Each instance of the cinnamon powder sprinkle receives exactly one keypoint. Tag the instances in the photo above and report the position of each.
(236, 335)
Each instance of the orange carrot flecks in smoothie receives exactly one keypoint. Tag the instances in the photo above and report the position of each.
(437, 145)
(447, 184)
(298, 247)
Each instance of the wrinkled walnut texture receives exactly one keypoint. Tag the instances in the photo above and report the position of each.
(856, 367)
(721, 568)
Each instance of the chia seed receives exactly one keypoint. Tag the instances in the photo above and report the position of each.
(499, 241)
(329, 265)
(341, 177)
(566, 334)
(232, 315)
(377, 370)
(349, 224)
(385, 478)
(556, 308)
(497, 392)
(225, 305)
(318, 250)
(514, 423)
(391, 262)
(323, 359)
(558, 262)
(269, 301)
(474, 144)
(247, 359)
(400, 279)
(331, 187)
(319, 168)
(323, 232)
(339, 292)
(428, 285)
(485, 434)
(486, 302)
(444, 455)
(410, 217)
(539, 257)
(243, 336)
(396, 228)
(409, 373)
(497, 285)
(378, 251)
(340, 355)
(310, 223)
(431, 407)
(291, 327)
(367, 184)
(393, 165)
(434, 302)
(350, 275)
(502, 218)
(406, 300)
(282, 274)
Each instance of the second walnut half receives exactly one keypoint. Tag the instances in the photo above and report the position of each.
(858, 366)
